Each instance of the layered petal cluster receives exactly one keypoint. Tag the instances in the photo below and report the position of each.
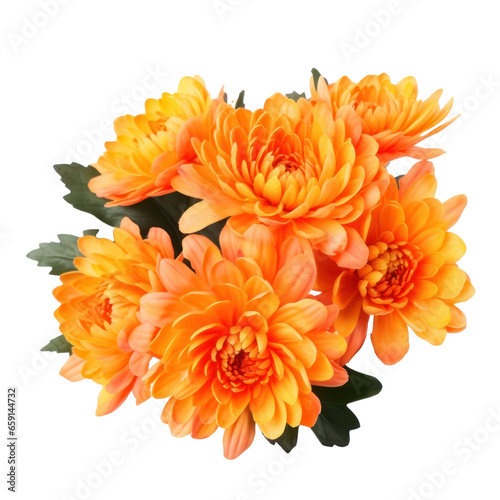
(411, 279)
(98, 311)
(240, 341)
(144, 157)
(391, 113)
(289, 166)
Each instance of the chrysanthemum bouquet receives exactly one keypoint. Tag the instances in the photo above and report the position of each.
(249, 252)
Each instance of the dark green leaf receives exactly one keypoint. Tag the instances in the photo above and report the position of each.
(173, 206)
(359, 386)
(295, 96)
(57, 255)
(239, 101)
(336, 420)
(162, 211)
(397, 179)
(75, 177)
(288, 440)
(334, 424)
(58, 344)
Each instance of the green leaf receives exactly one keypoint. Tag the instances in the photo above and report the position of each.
(295, 96)
(288, 440)
(334, 424)
(239, 101)
(161, 211)
(336, 420)
(359, 386)
(75, 177)
(58, 344)
(59, 255)
(316, 74)
(398, 177)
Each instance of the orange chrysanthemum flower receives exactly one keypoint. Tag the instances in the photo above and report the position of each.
(98, 312)
(240, 341)
(310, 175)
(390, 113)
(411, 278)
(144, 157)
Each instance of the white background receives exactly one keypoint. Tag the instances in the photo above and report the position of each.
(88, 63)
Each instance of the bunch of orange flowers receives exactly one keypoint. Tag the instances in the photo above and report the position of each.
(250, 250)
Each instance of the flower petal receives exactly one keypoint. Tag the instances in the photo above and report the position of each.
(390, 338)
(239, 436)
(295, 279)
(72, 369)
(305, 316)
(108, 403)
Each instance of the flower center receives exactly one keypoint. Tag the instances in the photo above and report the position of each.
(97, 308)
(242, 356)
(387, 278)
(103, 310)
(288, 162)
